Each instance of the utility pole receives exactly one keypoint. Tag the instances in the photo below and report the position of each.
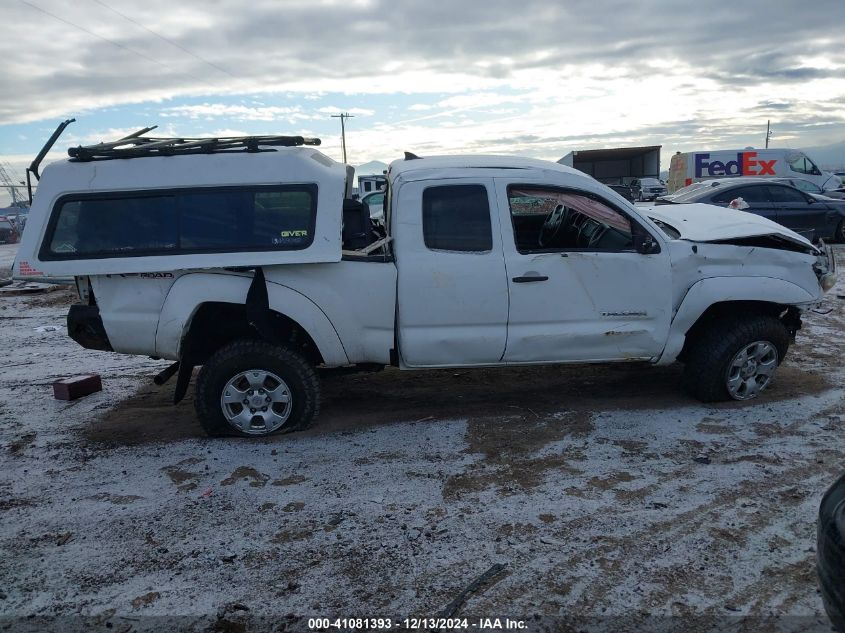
(768, 133)
(342, 116)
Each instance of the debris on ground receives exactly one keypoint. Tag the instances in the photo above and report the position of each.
(77, 387)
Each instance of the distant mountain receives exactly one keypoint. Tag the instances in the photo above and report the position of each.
(831, 157)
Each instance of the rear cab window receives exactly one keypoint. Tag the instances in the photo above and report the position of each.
(457, 218)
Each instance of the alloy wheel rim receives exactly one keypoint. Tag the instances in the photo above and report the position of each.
(256, 402)
(751, 370)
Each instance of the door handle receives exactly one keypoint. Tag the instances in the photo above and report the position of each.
(527, 279)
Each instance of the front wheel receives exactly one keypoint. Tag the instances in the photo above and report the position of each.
(735, 358)
(839, 234)
(253, 388)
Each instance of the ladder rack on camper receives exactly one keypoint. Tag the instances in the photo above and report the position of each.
(137, 145)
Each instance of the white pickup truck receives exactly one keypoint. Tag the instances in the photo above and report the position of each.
(248, 259)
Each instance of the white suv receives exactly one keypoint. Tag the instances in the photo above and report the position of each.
(644, 189)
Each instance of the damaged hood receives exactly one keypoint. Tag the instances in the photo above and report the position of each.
(709, 223)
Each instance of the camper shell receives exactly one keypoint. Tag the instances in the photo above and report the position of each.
(160, 206)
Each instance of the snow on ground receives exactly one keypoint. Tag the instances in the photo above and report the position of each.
(606, 493)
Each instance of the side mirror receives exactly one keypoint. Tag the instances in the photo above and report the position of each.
(645, 244)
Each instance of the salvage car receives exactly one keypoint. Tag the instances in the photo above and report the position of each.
(8, 231)
(645, 189)
(812, 216)
(830, 553)
(623, 190)
(235, 258)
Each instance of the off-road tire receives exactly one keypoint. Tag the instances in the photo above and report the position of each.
(713, 349)
(242, 355)
(839, 235)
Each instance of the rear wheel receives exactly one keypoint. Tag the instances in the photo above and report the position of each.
(735, 358)
(252, 388)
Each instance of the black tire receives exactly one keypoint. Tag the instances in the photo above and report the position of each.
(710, 353)
(240, 356)
(839, 235)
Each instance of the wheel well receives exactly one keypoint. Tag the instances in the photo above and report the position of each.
(215, 324)
(789, 315)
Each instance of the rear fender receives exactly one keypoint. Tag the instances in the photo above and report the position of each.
(192, 290)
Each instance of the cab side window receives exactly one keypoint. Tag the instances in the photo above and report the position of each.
(457, 218)
(558, 219)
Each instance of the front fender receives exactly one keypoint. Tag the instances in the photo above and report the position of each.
(708, 292)
(194, 289)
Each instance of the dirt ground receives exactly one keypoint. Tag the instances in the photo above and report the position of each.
(601, 497)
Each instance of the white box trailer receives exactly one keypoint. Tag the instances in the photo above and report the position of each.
(689, 167)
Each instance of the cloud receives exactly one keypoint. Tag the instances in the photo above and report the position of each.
(537, 77)
(237, 112)
(353, 111)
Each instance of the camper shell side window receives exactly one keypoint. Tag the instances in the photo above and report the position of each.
(181, 221)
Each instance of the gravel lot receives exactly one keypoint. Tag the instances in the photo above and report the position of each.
(605, 493)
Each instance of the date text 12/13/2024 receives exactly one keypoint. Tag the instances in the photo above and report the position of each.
(374, 624)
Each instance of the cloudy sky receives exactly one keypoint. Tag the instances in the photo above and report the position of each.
(536, 78)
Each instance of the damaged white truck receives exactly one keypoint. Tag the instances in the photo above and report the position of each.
(247, 258)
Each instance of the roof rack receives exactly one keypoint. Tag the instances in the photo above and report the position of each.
(137, 145)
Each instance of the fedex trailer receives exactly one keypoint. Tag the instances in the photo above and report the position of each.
(690, 167)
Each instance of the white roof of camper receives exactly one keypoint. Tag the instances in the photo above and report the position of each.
(282, 166)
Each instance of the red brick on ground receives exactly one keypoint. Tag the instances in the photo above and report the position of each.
(73, 388)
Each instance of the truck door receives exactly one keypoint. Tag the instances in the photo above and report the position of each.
(452, 295)
(578, 289)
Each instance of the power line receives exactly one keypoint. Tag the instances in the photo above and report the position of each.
(165, 39)
(118, 44)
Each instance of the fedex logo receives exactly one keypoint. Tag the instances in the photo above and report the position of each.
(746, 164)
